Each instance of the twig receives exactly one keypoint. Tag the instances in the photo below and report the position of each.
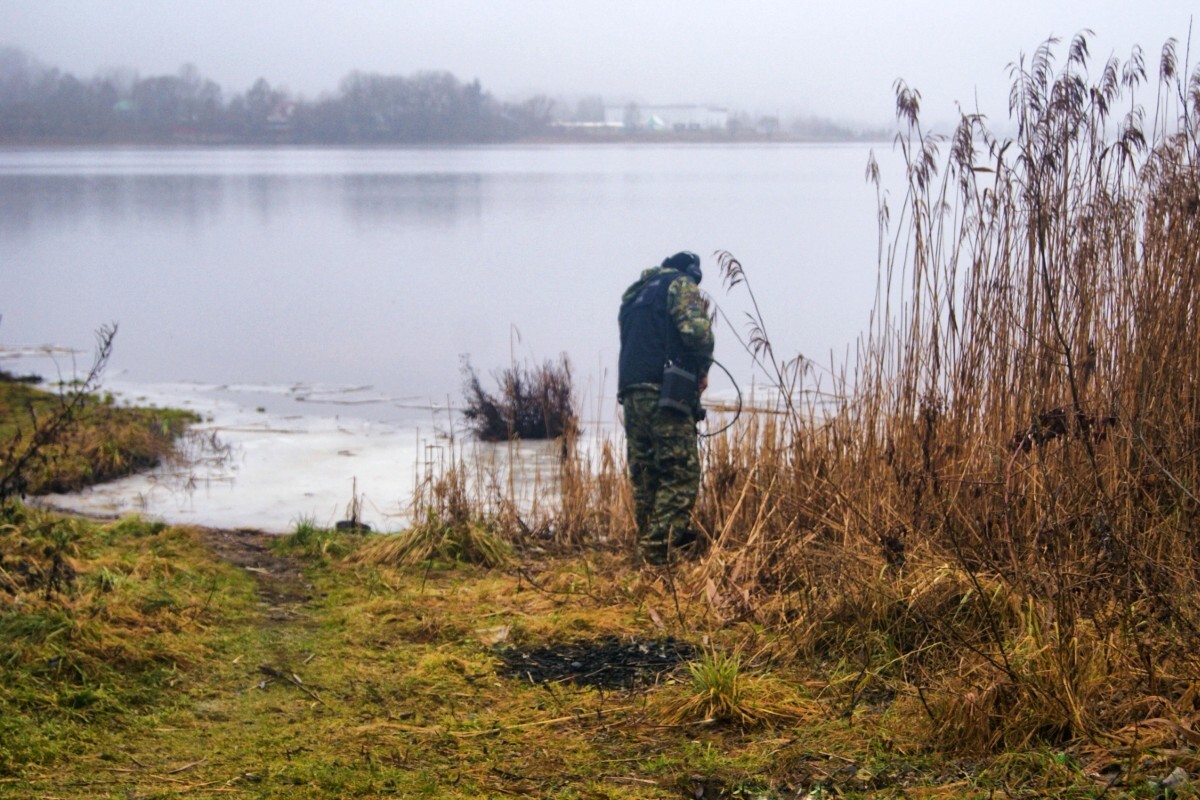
(631, 779)
(294, 680)
(674, 593)
(522, 574)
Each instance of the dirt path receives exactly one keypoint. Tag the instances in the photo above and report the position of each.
(280, 578)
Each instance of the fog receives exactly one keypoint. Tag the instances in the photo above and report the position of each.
(782, 57)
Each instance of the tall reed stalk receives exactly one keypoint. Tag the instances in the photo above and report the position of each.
(1002, 503)
(991, 515)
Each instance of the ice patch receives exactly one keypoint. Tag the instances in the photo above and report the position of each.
(248, 468)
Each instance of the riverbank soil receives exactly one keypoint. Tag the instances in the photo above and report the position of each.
(144, 661)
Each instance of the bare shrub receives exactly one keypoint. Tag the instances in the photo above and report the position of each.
(25, 451)
(532, 402)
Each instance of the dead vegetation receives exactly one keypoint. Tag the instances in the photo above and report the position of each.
(448, 528)
(532, 403)
(996, 518)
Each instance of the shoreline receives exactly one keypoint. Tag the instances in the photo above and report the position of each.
(244, 467)
(619, 138)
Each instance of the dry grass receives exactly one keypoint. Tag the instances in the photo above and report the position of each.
(1002, 498)
(720, 689)
(470, 541)
(65, 441)
(990, 515)
(448, 529)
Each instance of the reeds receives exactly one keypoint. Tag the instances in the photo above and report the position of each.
(990, 516)
(1001, 502)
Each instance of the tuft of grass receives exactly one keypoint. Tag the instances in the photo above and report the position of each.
(720, 691)
(450, 529)
(311, 540)
(471, 541)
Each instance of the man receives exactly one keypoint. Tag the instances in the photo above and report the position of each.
(666, 350)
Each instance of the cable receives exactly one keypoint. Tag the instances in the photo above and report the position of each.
(737, 414)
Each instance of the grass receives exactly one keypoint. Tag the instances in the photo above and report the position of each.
(314, 542)
(172, 677)
(965, 565)
(433, 541)
(106, 442)
(721, 691)
(104, 642)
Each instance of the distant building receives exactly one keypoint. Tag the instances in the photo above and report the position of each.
(588, 126)
(667, 118)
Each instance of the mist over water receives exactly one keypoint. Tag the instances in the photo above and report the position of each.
(384, 268)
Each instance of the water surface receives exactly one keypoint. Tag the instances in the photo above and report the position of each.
(350, 284)
(385, 267)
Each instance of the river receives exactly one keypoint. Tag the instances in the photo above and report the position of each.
(326, 293)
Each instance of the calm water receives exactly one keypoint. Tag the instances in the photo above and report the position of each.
(383, 268)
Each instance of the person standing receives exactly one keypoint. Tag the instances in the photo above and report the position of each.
(666, 351)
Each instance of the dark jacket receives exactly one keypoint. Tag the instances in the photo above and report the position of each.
(663, 317)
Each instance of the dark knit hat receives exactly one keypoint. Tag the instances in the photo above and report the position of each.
(686, 262)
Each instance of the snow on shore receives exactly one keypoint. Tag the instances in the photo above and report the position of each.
(251, 464)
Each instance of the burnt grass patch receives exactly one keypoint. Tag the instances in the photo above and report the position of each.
(607, 663)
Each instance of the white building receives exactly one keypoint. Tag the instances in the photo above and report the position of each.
(667, 118)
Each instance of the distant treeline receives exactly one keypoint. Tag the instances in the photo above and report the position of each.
(43, 105)
(40, 104)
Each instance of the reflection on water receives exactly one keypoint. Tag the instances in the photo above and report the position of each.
(439, 200)
(28, 204)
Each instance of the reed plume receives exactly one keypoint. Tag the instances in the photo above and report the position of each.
(1001, 497)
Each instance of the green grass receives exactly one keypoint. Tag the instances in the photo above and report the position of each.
(105, 646)
(159, 672)
(310, 540)
(105, 441)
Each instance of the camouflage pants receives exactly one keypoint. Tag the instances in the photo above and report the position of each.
(664, 466)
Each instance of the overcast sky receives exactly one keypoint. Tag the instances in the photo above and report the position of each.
(765, 56)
